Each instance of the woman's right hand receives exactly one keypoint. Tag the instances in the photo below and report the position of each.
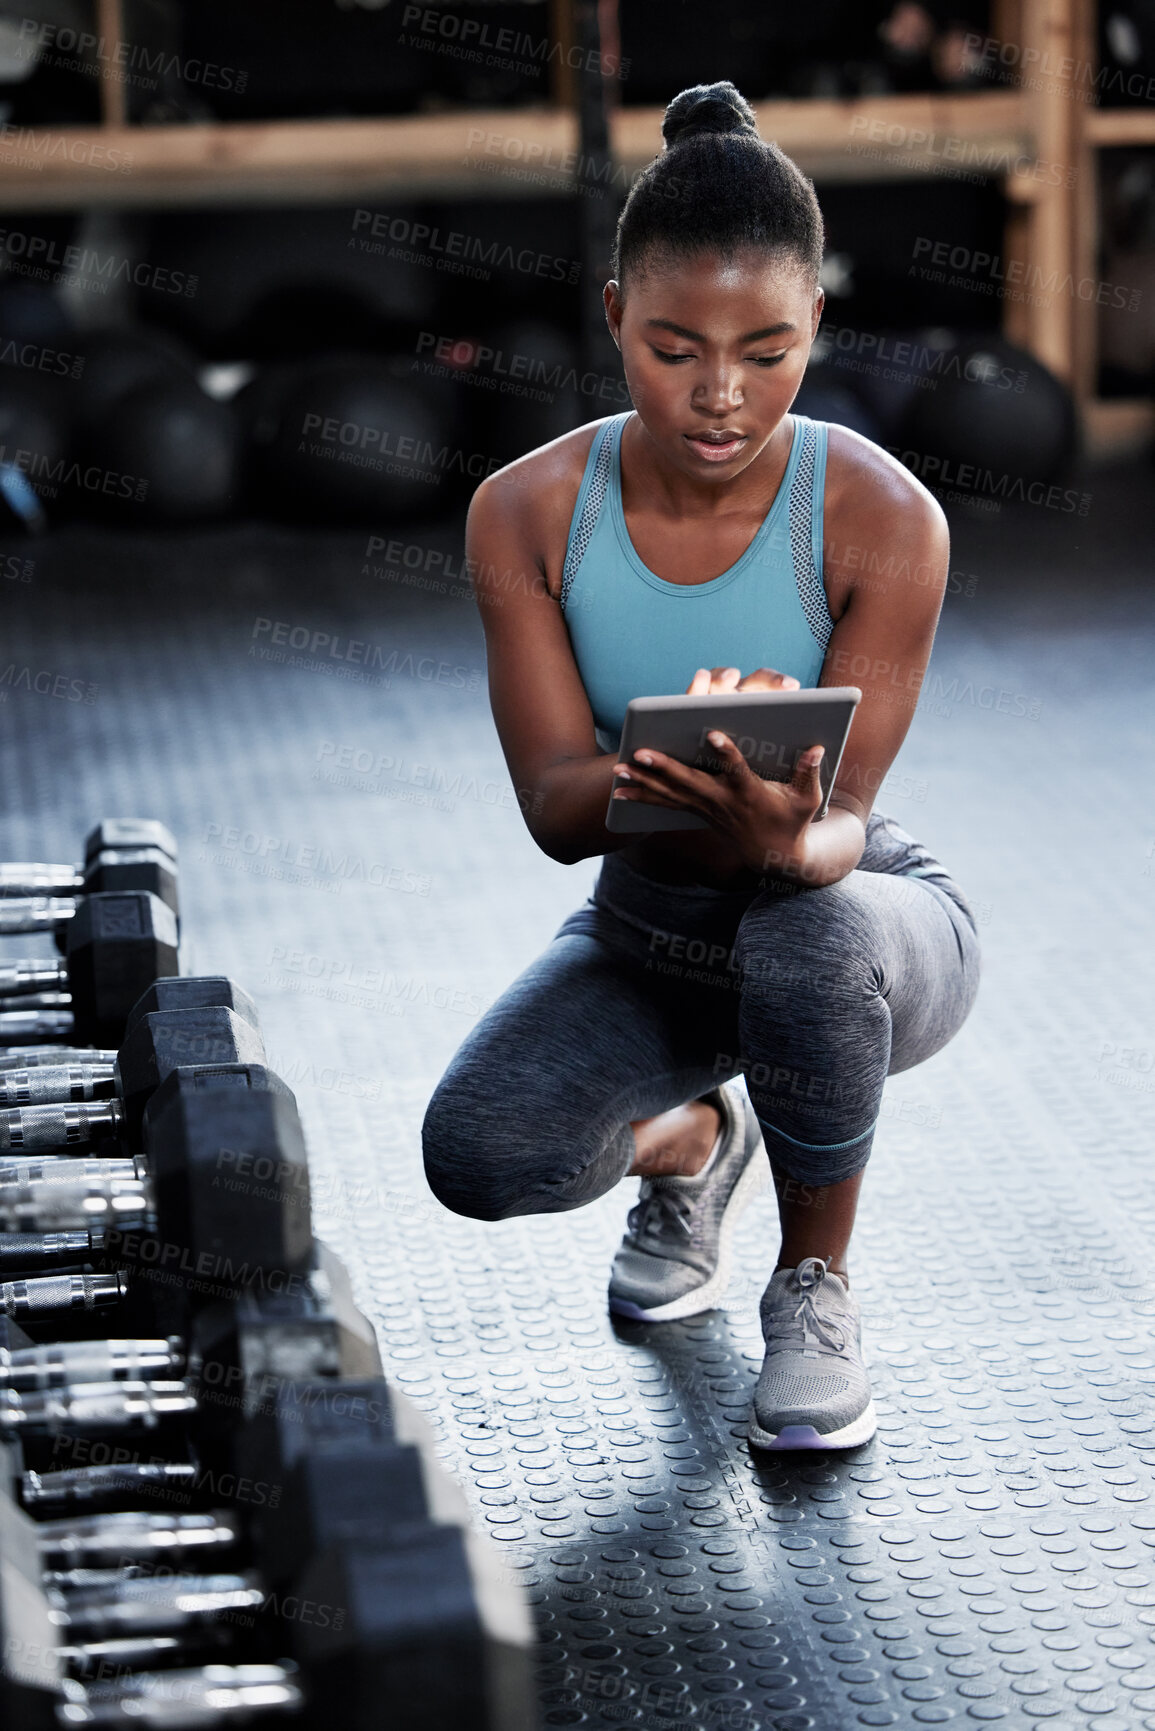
(710, 680)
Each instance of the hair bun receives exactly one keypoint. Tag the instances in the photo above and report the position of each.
(718, 108)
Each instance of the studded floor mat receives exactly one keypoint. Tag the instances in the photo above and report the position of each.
(315, 728)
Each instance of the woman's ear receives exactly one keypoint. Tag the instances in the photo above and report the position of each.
(612, 300)
(816, 312)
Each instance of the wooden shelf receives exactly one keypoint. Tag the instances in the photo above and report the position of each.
(1108, 127)
(282, 162)
(869, 139)
(499, 153)
(1052, 219)
(1117, 426)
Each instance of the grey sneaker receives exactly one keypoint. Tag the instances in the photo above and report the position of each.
(674, 1260)
(813, 1392)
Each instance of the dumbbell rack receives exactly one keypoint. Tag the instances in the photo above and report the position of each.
(212, 1504)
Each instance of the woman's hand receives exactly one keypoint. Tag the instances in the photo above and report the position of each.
(709, 680)
(768, 821)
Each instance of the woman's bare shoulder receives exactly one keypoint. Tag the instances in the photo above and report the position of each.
(863, 480)
(536, 493)
(877, 519)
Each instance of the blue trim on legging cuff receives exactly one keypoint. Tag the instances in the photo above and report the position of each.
(821, 1147)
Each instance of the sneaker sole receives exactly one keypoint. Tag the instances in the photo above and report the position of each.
(804, 1436)
(753, 1181)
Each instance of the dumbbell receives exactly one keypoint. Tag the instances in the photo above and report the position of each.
(405, 1605)
(182, 1020)
(370, 1522)
(157, 1364)
(117, 945)
(119, 854)
(51, 1624)
(230, 1180)
(245, 1348)
(108, 1610)
(26, 907)
(221, 1194)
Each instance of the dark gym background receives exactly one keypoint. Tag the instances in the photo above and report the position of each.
(231, 232)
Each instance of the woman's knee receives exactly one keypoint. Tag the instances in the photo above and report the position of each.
(491, 1156)
(813, 942)
(467, 1156)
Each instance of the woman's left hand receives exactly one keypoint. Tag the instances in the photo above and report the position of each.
(766, 820)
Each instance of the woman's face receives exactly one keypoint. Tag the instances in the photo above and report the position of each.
(711, 347)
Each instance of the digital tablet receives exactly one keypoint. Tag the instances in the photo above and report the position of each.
(770, 728)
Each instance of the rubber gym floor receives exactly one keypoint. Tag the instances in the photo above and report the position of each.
(353, 854)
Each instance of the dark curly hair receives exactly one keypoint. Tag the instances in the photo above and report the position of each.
(717, 187)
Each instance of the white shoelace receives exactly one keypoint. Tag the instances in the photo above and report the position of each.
(808, 1278)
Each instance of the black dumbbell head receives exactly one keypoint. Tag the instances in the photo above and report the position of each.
(333, 1494)
(118, 833)
(32, 1670)
(196, 992)
(411, 1632)
(135, 868)
(303, 1414)
(230, 1175)
(163, 1040)
(262, 1343)
(118, 944)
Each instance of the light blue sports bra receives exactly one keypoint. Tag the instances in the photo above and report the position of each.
(636, 635)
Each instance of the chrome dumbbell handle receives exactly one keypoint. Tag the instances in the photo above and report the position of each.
(64, 1171)
(132, 1536)
(171, 1699)
(72, 1193)
(80, 1485)
(33, 914)
(55, 1084)
(129, 1653)
(37, 975)
(23, 1058)
(107, 1403)
(23, 1247)
(117, 1601)
(20, 1026)
(33, 878)
(53, 1292)
(50, 1003)
(41, 1129)
(64, 1363)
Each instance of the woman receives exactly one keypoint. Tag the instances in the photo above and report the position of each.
(677, 548)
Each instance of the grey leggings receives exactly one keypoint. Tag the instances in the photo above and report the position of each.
(651, 994)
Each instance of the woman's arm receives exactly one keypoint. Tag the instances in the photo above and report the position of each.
(540, 707)
(888, 553)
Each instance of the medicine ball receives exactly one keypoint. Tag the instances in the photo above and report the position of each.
(993, 409)
(345, 439)
(824, 397)
(884, 370)
(31, 313)
(524, 385)
(117, 361)
(165, 453)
